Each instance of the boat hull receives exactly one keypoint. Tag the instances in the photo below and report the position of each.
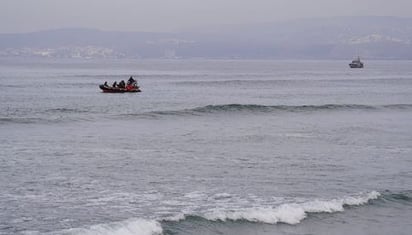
(107, 89)
(356, 66)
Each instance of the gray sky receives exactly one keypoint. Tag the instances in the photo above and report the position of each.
(167, 15)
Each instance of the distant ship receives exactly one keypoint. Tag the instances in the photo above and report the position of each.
(356, 63)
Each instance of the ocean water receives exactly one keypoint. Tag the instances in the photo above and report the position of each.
(209, 147)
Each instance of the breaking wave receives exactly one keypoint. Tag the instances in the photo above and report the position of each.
(289, 213)
(128, 227)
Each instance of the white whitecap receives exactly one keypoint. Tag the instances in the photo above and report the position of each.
(287, 213)
(354, 201)
(175, 218)
(128, 227)
(290, 213)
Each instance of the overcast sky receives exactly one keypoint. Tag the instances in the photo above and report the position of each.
(169, 15)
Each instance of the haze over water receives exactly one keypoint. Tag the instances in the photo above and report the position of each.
(208, 147)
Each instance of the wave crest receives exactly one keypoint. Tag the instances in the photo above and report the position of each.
(291, 213)
(296, 108)
(255, 108)
(128, 227)
(287, 213)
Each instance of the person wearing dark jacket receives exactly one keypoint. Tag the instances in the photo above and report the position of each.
(130, 81)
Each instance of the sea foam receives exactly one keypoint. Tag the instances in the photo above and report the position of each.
(128, 227)
(289, 213)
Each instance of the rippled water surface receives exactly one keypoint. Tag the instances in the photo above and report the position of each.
(208, 147)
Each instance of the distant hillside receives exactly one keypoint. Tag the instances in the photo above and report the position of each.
(328, 38)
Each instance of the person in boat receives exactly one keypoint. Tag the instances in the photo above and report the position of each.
(114, 84)
(122, 84)
(105, 84)
(131, 81)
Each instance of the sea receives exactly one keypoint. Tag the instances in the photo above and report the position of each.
(209, 147)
